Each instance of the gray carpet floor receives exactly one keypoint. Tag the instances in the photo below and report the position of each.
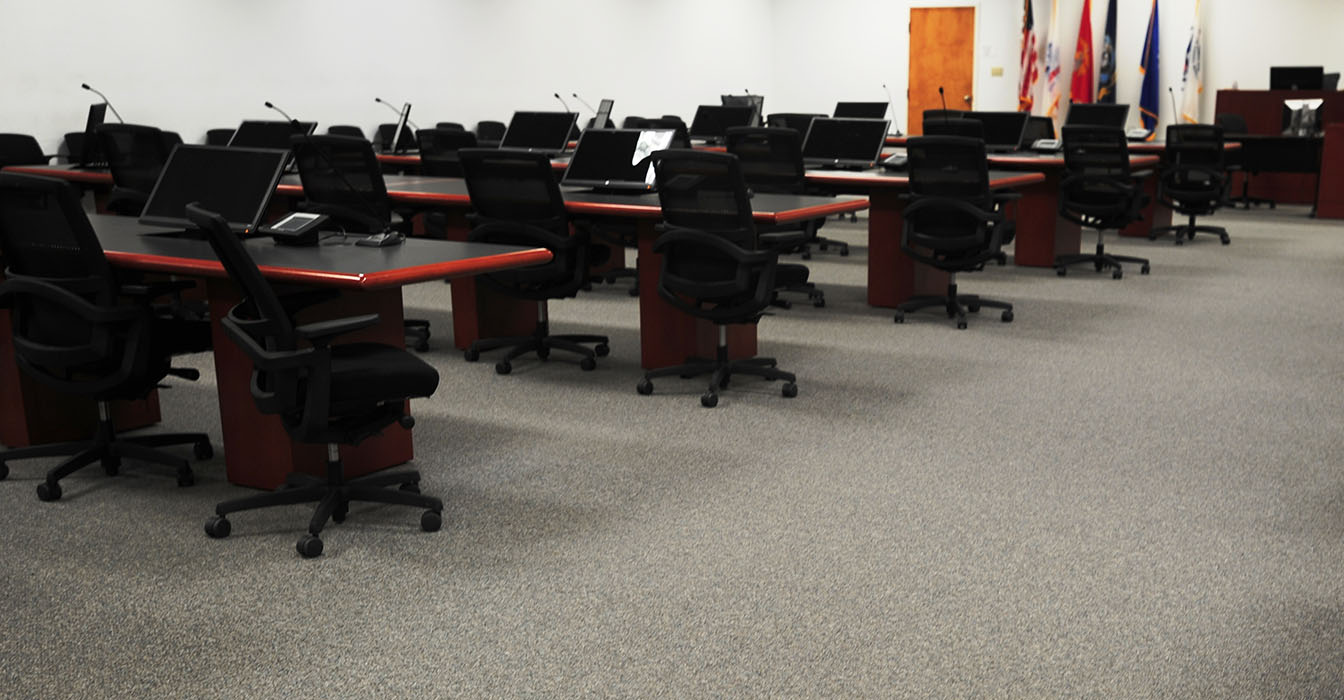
(1133, 490)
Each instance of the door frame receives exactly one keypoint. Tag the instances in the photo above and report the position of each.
(975, 53)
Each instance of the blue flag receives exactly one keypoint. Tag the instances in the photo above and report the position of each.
(1106, 71)
(1149, 95)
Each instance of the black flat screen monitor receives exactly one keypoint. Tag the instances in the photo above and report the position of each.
(268, 134)
(844, 142)
(860, 110)
(616, 159)
(1330, 82)
(755, 102)
(1296, 77)
(91, 151)
(1003, 130)
(712, 122)
(602, 120)
(1092, 114)
(235, 182)
(544, 132)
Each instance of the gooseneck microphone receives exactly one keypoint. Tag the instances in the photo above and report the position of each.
(292, 120)
(388, 105)
(1175, 113)
(891, 105)
(562, 101)
(109, 102)
(575, 95)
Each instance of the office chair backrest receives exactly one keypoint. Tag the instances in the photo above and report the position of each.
(949, 166)
(514, 186)
(1095, 150)
(1192, 145)
(454, 126)
(771, 157)
(438, 150)
(342, 175)
(1037, 128)
(218, 137)
(681, 137)
(20, 149)
(135, 154)
(345, 130)
(633, 122)
(68, 331)
(704, 190)
(490, 131)
(969, 128)
(1231, 123)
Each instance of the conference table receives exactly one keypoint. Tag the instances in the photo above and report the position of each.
(667, 335)
(258, 451)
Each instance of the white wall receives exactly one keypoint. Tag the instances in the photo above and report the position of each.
(190, 65)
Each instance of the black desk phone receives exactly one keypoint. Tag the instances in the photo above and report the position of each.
(298, 228)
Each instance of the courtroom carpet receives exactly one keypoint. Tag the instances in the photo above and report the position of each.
(1133, 490)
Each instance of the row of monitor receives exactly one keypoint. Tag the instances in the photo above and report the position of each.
(1302, 78)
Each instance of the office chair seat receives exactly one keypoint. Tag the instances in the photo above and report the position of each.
(365, 373)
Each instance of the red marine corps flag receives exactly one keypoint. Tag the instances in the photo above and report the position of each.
(1080, 90)
(1027, 89)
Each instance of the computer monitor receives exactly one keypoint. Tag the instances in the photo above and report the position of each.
(860, 110)
(755, 102)
(616, 159)
(1092, 114)
(544, 132)
(91, 151)
(602, 120)
(268, 134)
(1296, 77)
(1003, 130)
(235, 182)
(712, 122)
(844, 142)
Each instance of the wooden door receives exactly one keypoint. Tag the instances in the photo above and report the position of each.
(942, 53)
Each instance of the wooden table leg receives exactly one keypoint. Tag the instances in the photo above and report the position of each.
(1041, 233)
(479, 312)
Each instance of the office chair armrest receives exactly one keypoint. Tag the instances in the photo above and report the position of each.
(71, 301)
(269, 360)
(321, 332)
(960, 206)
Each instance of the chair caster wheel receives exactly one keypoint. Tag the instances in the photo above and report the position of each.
(1179, 241)
(1061, 271)
(203, 451)
(602, 350)
(544, 353)
(844, 252)
(1117, 274)
(961, 324)
(587, 364)
(1226, 240)
(899, 317)
(4, 471)
(1144, 270)
(410, 487)
(48, 492)
(421, 346)
(112, 465)
(973, 308)
(709, 399)
(310, 546)
(218, 527)
(430, 521)
(789, 390)
(503, 367)
(471, 354)
(644, 387)
(634, 291)
(185, 479)
(1006, 316)
(339, 513)
(807, 255)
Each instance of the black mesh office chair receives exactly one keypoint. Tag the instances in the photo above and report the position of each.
(136, 155)
(218, 137)
(517, 201)
(21, 149)
(1099, 192)
(438, 150)
(490, 133)
(454, 126)
(711, 202)
(323, 393)
(966, 128)
(1194, 179)
(712, 270)
(342, 178)
(633, 122)
(345, 130)
(1235, 125)
(79, 330)
(772, 161)
(953, 221)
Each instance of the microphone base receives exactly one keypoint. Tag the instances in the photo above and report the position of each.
(382, 240)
